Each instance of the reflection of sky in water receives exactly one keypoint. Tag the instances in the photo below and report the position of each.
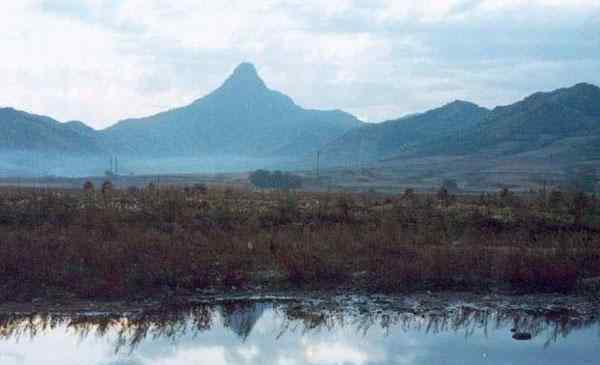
(260, 335)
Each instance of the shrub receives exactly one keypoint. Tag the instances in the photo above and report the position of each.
(275, 180)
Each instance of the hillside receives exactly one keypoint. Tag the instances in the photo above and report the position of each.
(22, 131)
(564, 123)
(379, 141)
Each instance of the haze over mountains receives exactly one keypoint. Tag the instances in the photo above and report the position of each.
(246, 122)
(242, 121)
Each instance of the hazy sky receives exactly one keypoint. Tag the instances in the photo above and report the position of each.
(104, 60)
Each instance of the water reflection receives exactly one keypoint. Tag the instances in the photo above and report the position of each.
(292, 332)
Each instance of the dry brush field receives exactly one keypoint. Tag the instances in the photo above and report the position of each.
(101, 242)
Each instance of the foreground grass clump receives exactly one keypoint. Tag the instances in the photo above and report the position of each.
(116, 243)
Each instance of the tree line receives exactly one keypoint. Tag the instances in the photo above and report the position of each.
(264, 179)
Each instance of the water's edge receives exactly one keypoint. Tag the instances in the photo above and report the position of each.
(571, 305)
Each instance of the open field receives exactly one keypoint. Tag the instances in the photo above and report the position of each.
(106, 242)
(391, 177)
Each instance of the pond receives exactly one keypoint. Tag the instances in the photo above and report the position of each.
(283, 331)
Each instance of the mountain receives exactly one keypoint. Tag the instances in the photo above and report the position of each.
(564, 122)
(22, 131)
(81, 128)
(379, 141)
(243, 117)
(244, 125)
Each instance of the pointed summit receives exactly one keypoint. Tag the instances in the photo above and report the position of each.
(245, 69)
(243, 117)
(245, 76)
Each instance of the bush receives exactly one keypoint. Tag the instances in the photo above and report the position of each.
(275, 180)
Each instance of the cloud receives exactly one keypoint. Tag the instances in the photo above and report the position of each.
(334, 353)
(105, 60)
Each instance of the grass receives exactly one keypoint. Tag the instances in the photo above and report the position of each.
(110, 243)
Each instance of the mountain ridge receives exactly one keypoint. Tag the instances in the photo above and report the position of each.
(23, 131)
(536, 121)
(463, 128)
(243, 118)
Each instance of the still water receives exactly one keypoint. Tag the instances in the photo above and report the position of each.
(292, 332)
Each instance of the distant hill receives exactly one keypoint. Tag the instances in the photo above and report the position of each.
(22, 131)
(564, 122)
(243, 117)
(379, 141)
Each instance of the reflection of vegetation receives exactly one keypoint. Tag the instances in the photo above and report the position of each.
(468, 319)
(170, 324)
(129, 330)
(132, 329)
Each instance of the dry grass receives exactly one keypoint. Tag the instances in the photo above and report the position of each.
(118, 243)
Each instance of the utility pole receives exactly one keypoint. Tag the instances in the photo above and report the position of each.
(318, 166)
(359, 161)
(545, 190)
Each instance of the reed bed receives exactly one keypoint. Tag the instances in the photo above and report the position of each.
(101, 242)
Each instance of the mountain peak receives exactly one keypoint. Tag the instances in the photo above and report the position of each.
(461, 103)
(459, 106)
(8, 109)
(246, 68)
(585, 85)
(586, 90)
(246, 76)
(582, 97)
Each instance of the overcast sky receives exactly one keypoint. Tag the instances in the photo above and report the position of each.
(104, 60)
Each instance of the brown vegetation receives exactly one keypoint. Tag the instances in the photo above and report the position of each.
(116, 243)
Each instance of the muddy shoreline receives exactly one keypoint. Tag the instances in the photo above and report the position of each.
(552, 306)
